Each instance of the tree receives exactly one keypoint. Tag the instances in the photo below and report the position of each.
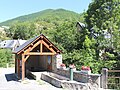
(5, 57)
(102, 20)
(65, 35)
(22, 30)
(3, 36)
(76, 46)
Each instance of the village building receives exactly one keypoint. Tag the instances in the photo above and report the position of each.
(37, 54)
(80, 26)
(11, 44)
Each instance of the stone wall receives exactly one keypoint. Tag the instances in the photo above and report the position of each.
(60, 81)
(93, 79)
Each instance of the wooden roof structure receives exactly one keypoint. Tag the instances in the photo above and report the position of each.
(43, 45)
(42, 40)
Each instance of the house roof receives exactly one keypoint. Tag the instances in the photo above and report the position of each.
(82, 25)
(30, 41)
(11, 43)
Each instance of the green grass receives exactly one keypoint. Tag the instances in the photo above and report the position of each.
(40, 82)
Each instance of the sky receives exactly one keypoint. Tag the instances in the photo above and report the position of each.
(13, 8)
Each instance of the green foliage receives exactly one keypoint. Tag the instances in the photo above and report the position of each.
(65, 35)
(102, 18)
(23, 30)
(66, 38)
(48, 15)
(87, 43)
(27, 26)
(5, 57)
(3, 36)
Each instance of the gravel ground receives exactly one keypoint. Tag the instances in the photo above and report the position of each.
(8, 81)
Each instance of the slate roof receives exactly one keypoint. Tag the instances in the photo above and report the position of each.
(11, 43)
(25, 44)
(82, 25)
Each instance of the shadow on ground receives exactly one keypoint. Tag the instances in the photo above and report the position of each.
(11, 77)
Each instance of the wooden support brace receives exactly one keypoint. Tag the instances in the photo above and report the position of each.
(36, 53)
(18, 68)
(26, 58)
(48, 47)
(35, 45)
(23, 67)
(15, 63)
(31, 44)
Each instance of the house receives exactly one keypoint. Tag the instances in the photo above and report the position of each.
(2, 32)
(11, 44)
(37, 54)
(80, 26)
(2, 29)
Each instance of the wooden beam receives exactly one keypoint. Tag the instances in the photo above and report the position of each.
(27, 50)
(38, 53)
(30, 49)
(31, 44)
(41, 47)
(18, 68)
(41, 37)
(26, 58)
(23, 67)
(51, 63)
(20, 52)
(48, 47)
(50, 43)
(58, 51)
(15, 63)
(113, 70)
(35, 45)
(28, 45)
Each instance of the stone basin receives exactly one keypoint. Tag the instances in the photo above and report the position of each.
(59, 81)
(60, 78)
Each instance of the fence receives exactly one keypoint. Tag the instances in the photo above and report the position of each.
(113, 79)
(110, 79)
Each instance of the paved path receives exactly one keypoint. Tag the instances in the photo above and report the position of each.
(8, 81)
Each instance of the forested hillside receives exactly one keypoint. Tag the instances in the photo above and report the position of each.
(49, 15)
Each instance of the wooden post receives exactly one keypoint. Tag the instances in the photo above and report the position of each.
(104, 78)
(54, 63)
(15, 63)
(18, 68)
(51, 63)
(23, 67)
(41, 47)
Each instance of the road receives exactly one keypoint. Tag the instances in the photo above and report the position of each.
(8, 81)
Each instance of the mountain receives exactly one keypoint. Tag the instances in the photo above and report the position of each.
(45, 15)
